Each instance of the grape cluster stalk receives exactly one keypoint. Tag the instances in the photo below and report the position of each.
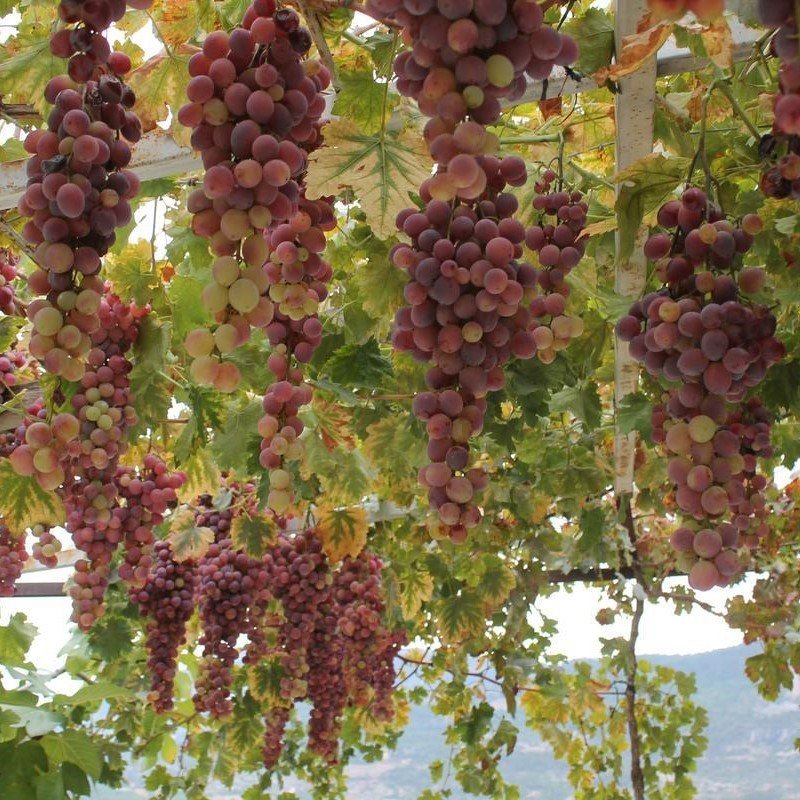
(782, 178)
(709, 344)
(473, 303)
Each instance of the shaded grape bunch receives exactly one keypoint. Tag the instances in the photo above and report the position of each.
(166, 599)
(13, 556)
(782, 178)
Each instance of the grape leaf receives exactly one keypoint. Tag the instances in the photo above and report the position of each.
(232, 447)
(416, 587)
(633, 414)
(358, 365)
(383, 169)
(202, 475)
(460, 615)
(343, 531)
(643, 187)
(264, 680)
(15, 639)
(595, 31)
(96, 693)
(494, 580)
(26, 68)
(75, 747)
(23, 503)
(151, 388)
(187, 539)
(581, 400)
(361, 99)
(253, 533)
(160, 83)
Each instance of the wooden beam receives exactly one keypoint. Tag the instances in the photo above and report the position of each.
(635, 108)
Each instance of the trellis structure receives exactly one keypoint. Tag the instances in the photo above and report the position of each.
(158, 155)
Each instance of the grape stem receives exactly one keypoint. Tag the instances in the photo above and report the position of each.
(317, 34)
(725, 88)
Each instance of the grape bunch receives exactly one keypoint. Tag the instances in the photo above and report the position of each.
(254, 107)
(717, 478)
(107, 508)
(280, 428)
(709, 345)
(13, 556)
(700, 329)
(231, 590)
(466, 56)
(704, 10)
(79, 190)
(167, 599)
(782, 178)
(10, 363)
(8, 275)
(46, 546)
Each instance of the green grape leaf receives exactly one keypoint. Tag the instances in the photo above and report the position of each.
(595, 31)
(358, 365)
(643, 188)
(187, 539)
(581, 400)
(74, 747)
(23, 503)
(253, 533)
(634, 414)
(15, 640)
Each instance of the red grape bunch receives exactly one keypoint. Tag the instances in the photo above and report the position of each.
(78, 191)
(231, 590)
(167, 600)
(718, 478)
(109, 507)
(46, 546)
(700, 329)
(9, 263)
(13, 556)
(782, 178)
(466, 56)
(709, 345)
(254, 107)
(10, 364)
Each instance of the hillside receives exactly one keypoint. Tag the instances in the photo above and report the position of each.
(750, 755)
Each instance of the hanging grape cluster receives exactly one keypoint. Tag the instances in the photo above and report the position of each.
(710, 346)
(472, 302)
(782, 178)
(255, 104)
(79, 190)
(167, 599)
(13, 556)
(322, 631)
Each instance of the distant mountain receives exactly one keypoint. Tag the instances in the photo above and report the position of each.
(750, 755)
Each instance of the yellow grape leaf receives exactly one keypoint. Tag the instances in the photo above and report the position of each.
(27, 66)
(343, 531)
(24, 503)
(415, 588)
(181, 20)
(373, 726)
(718, 42)
(202, 475)
(636, 49)
(382, 169)
(186, 539)
(160, 84)
(253, 533)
